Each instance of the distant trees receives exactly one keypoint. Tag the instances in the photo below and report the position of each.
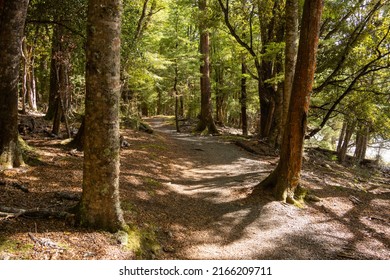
(12, 20)
(100, 206)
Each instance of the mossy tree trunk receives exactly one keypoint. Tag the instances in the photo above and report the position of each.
(100, 205)
(12, 20)
(285, 179)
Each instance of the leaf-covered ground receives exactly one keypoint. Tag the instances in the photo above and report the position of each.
(189, 197)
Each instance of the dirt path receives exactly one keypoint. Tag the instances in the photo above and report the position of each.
(187, 197)
(211, 216)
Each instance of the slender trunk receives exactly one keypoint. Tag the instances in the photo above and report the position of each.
(350, 128)
(181, 106)
(175, 92)
(244, 119)
(219, 95)
(25, 73)
(342, 135)
(159, 101)
(32, 97)
(362, 136)
(54, 83)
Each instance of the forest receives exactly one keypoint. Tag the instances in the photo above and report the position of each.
(194, 129)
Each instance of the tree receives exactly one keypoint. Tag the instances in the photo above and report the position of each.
(206, 117)
(353, 48)
(292, 34)
(286, 177)
(12, 20)
(99, 206)
(263, 43)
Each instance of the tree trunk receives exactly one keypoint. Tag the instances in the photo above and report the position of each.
(244, 119)
(350, 128)
(219, 95)
(54, 83)
(100, 205)
(12, 20)
(175, 92)
(78, 141)
(362, 136)
(206, 117)
(342, 135)
(286, 177)
(291, 51)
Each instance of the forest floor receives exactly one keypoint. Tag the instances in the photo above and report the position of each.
(190, 197)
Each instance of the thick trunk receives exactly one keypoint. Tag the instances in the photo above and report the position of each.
(12, 20)
(100, 205)
(206, 118)
(286, 177)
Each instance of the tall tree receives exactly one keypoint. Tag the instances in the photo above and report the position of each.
(291, 50)
(100, 206)
(12, 20)
(206, 117)
(286, 177)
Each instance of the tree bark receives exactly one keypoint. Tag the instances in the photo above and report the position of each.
(291, 51)
(55, 48)
(342, 153)
(12, 20)
(100, 205)
(244, 119)
(286, 177)
(362, 136)
(78, 141)
(219, 95)
(206, 118)
(342, 135)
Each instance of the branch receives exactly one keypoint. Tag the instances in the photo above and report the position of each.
(353, 38)
(11, 212)
(232, 30)
(363, 72)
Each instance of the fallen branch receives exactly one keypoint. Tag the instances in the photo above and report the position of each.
(12, 212)
(44, 242)
(246, 147)
(20, 187)
(68, 196)
(16, 186)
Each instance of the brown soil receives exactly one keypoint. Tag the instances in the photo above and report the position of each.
(189, 197)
